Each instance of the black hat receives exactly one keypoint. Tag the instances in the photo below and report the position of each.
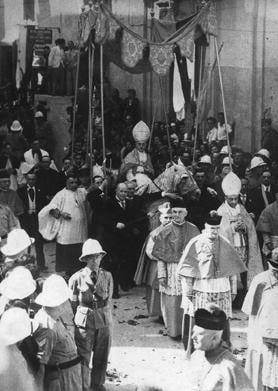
(214, 219)
(4, 174)
(215, 319)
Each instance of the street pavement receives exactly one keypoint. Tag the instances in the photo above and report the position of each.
(141, 353)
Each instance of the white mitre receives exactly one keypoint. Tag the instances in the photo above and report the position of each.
(231, 184)
(141, 132)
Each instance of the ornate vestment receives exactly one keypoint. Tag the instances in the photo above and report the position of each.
(250, 246)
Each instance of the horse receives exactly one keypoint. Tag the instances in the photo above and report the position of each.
(176, 182)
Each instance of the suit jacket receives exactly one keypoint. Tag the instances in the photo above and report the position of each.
(40, 199)
(14, 161)
(256, 203)
(50, 182)
(117, 239)
(30, 222)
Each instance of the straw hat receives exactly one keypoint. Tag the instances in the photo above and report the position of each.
(17, 241)
(231, 184)
(206, 159)
(15, 325)
(141, 132)
(18, 285)
(16, 126)
(91, 247)
(257, 162)
(54, 292)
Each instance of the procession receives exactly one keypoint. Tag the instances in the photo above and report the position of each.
(138, 199)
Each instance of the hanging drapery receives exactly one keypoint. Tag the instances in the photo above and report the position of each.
(101, 28)
(161, 58)
(208, 21)
(132, 49)
(113, 27)
(178, 97)
(186, 46)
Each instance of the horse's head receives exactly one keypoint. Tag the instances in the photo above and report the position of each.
(178, 179)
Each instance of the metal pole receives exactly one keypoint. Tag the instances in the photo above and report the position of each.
(75, 101)
(90, 119)
(151, 135)
(223, 101)
(197, 108)
(166, 119)
(102, 101)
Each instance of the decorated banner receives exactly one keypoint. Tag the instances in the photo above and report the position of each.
(101, 28)
(161, 58)
(161, 55)
(132, 49)
(186, 46)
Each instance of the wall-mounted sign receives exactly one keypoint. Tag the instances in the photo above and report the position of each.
(39, 36)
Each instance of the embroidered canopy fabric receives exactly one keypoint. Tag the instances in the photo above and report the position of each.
(133, 47)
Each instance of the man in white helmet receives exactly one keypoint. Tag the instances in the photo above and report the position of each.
(91, 293)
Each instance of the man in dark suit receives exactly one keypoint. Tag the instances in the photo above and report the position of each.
(262, 195)
(198, 210)
(33, 201)
(139, 224)
(118, 239)
(48, 180)
(97, 198)
(244, 197)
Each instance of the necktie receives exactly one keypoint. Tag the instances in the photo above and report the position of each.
(122, 203)
(267, 193)
(31, 193)
(94, 277)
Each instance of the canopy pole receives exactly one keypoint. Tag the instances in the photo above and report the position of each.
(102, 103)
(90, 119)
(223, 101)
(152, 127)
(166, 119)
(197, 107)
(75, 101)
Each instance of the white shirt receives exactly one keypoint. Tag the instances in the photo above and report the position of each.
(212, 135)
(32, 204)
(221, 131)
(33, 158)
(265, 188)
(56, 56)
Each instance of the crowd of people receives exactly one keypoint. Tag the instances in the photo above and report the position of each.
(195, 223)
(54, 71)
